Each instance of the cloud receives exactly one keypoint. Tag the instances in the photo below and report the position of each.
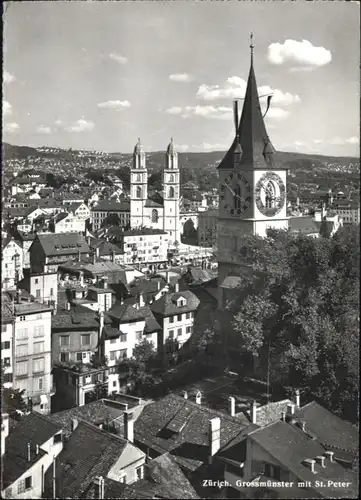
(181, 77)
(235, 88)
(58, 123)
(118, 105)
(11, 128)
(8, 78)
(353, 140)
(339, 141)
(43, 129)
(219, 112)
(303, 54)
(210, 112)
(81, 126)
(181, 148)
(7, 108)
(118, 58)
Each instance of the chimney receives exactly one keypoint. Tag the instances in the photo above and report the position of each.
(18, 296)
(141, 300)
(176, 287)
(329, 455)
(198, 398)
(298, 398)
(321, 460)
(101, 321)
(81, 278)
(214, 437)
(310, 464)
(79, 256)
(283, 416)
(158, 286)
(254, 412)
(101, 487)
(73, 424)
(129, 426)
(29, 454)
(185, 394)
(37, 449)
(94, 258)
(4, 431)
(232, 406)
(290, 409)
(113, 256)
(105, 281)
(167, 276)
(68, 306)
(97, 252)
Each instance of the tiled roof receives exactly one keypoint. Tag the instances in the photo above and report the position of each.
(189, 447)
(97, 412)
(198, 275)
(106, 248)
(63, 244)
(167, 305)
(147, 287)
(6, 313)
(35, 429)
(231, 282)
(60, 217)
(290, 446)
(304, 225)
(271, 412)
(103, 267)
(143, 231)
(111, 206)
(89, 452)
(330, 429)
(127, 312)
(77, 317)
(29, 308)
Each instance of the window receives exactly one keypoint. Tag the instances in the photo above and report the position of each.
(171, 319)
(138, 192)
(179, 317)
(36, 281)
(171, 178)
(270, 195)
(8, 377)
(113, 341)
(122, 353)
(38, 365)
(3, 328)
(123, 337)
(40, 383)
(51, 292)
(188, 315)
(189, 329)
(114, 383)
(37, 292)
(21, 368)
(23, 333)
(113, 355)
(171, 192)
(22, 350)
(138, 335)
(155, 215)
(64, 340)
(5, 345)
(123, 479)
(272, 471)
(6, 361)
(39, 331)
(64, 357)
(171, 334)
(179, 332)
(79, 356)
(139, 472)
(85, 339)
(38, 347)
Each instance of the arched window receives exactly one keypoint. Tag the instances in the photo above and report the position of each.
(171, 192)
(138, 192)
(155, 216)
(171, 178)
(138, 178)
(171, 162)
(270, 195)
(237, 197)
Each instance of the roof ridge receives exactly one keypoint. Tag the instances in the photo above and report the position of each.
(110, 436)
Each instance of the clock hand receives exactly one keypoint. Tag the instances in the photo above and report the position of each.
(230, 189)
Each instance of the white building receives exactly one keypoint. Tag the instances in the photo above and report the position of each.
(145, 246)
(11, 263)
(66, 222)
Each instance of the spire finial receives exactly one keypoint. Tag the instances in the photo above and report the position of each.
(251, 47)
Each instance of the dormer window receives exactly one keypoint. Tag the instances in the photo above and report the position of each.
(181, 301)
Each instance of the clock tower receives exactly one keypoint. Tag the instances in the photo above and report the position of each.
(252, 187)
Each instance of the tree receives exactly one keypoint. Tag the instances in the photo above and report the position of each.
(299, 313)
(11, 399)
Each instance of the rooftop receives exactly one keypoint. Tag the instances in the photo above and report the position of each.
(167, 304)
(111, 206)
(62, 244)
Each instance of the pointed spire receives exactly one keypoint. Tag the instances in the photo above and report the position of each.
(138, 147)
(171, 148)
(251, 47)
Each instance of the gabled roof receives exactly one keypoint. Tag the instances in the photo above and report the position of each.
(147, 287)
(60, 217)
(89, 452)
(290, 446)
(304, 225)
(330, 429)
(190, 446)
(126, 312)
(111, 206)
(167, 305)
(155, 200)
(252, 133)
(35, 429)
(63, 244)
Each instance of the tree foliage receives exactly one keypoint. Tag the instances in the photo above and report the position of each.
(300, 309)
(139, 369)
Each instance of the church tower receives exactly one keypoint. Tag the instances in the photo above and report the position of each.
(138, 187)
(252, 187)
(171, 186)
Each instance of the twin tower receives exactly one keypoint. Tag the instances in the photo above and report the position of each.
(159, 210)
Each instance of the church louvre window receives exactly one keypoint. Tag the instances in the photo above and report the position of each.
(155, 216)
(138, 178)
(138, 192)
(171, 192)
(171, 178)
(270, 195)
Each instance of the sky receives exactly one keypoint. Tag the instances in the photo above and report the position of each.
(98, 75)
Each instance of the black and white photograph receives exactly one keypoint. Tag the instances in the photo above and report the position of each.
(180, 249)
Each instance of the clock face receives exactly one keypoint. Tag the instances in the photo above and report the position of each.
(270, 194)
(235, 194)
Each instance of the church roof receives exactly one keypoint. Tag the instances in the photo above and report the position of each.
(257, 149)
(138, 148)
(171, 147)
(155, 200)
